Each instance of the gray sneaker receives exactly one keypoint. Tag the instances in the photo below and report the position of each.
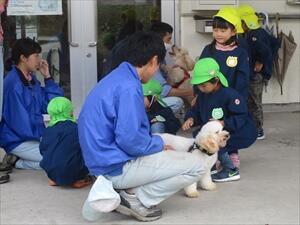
(5, 168)
(10, 159)
(131, 206)
(4, 178)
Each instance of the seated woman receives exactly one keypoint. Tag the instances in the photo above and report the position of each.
(60, 149)
(24, 102)
(161, 117)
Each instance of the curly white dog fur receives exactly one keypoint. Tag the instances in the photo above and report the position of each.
(207, 143)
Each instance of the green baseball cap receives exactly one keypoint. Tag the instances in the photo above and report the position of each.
(153, 88)
(206, 69)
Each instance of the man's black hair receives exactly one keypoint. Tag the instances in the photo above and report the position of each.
(137, 49)
(142, 46)
(161, 28)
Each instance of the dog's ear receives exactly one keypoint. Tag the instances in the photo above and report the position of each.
(189, 62)
(210, 143)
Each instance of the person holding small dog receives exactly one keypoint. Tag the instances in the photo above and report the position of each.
(171, 96)
(60, 149)
(161, 117)
(217, 101)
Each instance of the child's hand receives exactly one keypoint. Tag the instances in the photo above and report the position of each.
(258, 67)
(193, 102)
(44, 68)
(153, 120)
(188, 124)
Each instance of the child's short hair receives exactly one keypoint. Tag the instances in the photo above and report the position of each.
(213, 80)
(221, 23)
(161, 28)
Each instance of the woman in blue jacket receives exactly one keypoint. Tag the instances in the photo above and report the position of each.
(24, 103)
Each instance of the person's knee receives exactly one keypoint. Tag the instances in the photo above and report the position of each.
(176, 104)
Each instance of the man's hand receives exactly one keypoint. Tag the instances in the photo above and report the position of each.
(168, 147)
(188, 124)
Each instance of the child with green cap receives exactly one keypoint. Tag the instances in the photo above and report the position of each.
(60, 149)
(217, 101)
(161, 117)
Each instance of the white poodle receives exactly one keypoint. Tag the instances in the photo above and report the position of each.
(206, 145)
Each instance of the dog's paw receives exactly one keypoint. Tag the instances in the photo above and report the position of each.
(192, 194)
(209, 187)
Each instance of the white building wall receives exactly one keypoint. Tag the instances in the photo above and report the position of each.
(195, 43)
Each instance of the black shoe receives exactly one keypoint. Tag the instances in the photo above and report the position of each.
(4, 178)
(131, 206)
(10, 159)
(5, 168)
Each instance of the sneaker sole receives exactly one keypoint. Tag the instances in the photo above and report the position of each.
(129, 212)
(234, 178)
(213, 172)
(4, 179)
(4, 171)
(261, 137)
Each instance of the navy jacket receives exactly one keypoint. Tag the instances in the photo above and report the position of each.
(113, 125)
(234, 65)
(260, 43)
(24, 104)
(62, 157)
(237, 119)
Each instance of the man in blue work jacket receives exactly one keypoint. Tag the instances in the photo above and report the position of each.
(115, 137)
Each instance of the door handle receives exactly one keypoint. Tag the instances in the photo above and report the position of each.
(73, 44)
(92, 44)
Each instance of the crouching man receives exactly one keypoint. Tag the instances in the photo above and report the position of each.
(115, 137)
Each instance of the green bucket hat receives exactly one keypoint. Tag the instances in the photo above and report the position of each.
(60, 109)
(153, 88)
(206, 69)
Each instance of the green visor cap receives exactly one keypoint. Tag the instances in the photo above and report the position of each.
(60, 109)
(153, 88)
(206, 69)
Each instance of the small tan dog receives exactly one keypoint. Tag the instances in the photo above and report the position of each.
(178, 70)
(207, 143)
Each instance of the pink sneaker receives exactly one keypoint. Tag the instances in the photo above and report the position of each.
(235, 159)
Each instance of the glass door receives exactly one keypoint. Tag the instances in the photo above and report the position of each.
(51, 32)
(118, 19)
(77, 43)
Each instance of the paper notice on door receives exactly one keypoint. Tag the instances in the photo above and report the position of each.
(34, 7)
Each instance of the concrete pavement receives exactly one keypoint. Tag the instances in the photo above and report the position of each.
(268, 192)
